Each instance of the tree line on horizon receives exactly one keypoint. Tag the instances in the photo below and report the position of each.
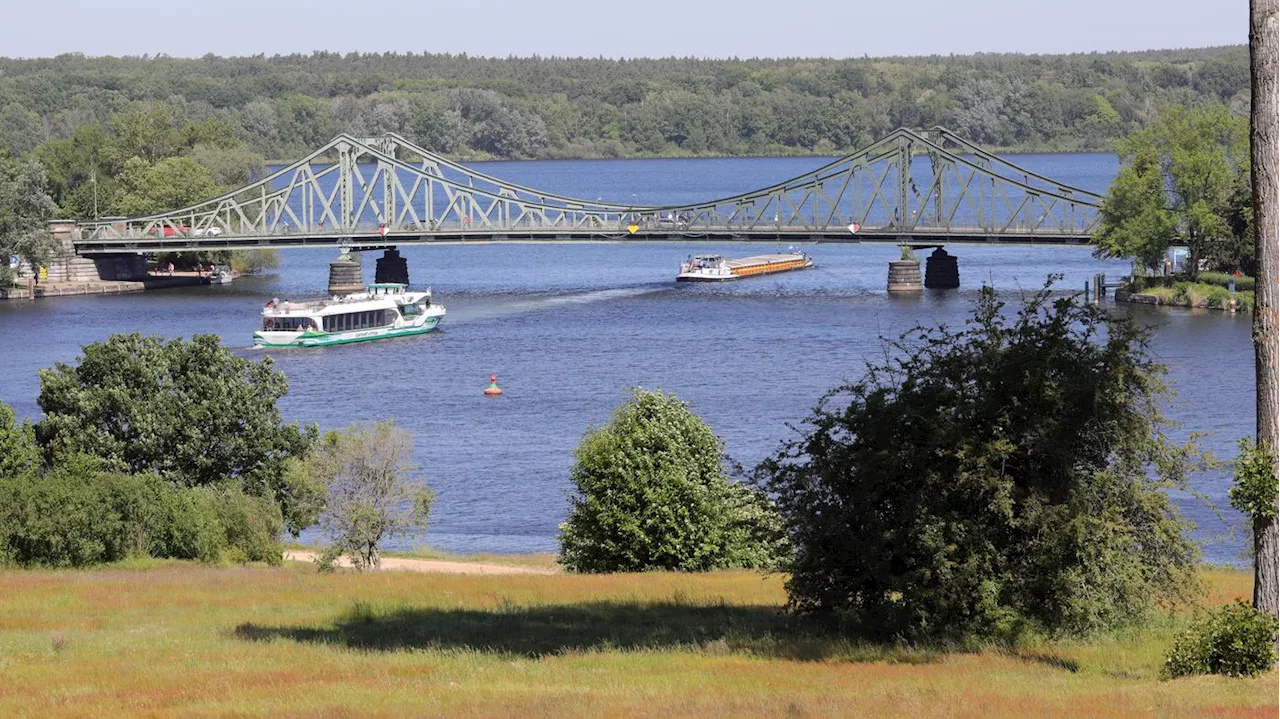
(85, 137)
(281, 107)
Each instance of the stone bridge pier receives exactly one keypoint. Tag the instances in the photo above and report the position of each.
(942, 270)
(67, 266)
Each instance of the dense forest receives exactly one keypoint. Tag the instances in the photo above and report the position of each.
(537, 107)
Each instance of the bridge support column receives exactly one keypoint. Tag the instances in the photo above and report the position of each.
(941, 271)
(66, 266)
(391, 267)
(904, 276)
(346, 276)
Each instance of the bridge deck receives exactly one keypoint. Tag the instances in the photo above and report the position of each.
(127, 245)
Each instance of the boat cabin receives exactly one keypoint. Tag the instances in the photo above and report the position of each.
(288, 324)
(358, 320)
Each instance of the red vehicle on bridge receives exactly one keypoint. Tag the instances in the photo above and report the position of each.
(184, 231)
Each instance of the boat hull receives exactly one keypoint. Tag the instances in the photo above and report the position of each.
(325, 339)
(747, 267)
(695, 277)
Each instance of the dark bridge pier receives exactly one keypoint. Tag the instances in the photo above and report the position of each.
(391, 267)
(941, 271)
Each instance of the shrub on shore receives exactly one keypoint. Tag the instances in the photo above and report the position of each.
(652, 492)
(1214, 295)
(1222, 279)
(1234, 640)
(365, 475)
(75, 515)
(1009, 475)
(150, 448)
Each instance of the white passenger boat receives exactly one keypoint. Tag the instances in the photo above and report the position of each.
(383, 310)
(714, 268)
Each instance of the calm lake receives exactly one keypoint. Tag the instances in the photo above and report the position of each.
(569, 327)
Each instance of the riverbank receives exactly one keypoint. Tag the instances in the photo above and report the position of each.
(169, 638)
(1219, 292)
(397, 563)
(106, 287)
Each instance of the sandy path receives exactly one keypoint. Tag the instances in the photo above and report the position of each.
(428, 565)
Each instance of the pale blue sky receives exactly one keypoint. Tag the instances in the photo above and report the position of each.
(645, 28)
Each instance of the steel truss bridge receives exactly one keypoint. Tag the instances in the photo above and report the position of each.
(929, 186)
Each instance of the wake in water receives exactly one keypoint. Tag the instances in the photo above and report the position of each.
(496, 306)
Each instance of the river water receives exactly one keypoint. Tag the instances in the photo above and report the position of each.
(569, 327)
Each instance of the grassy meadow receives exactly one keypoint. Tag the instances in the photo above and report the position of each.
(160, 638)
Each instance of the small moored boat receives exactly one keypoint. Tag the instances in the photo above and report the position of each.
(714, 268)
(219, 275)
(383, 310)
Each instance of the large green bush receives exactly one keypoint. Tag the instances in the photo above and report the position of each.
(652, 493)
(1234, 640)
(983, 480)
(191, 412)
(18, 451)
(74, 515)
(251, 526)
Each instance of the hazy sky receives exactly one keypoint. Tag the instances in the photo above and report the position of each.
(646, 28)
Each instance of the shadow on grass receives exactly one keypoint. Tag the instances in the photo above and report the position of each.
(536, 631)
(1049, 660)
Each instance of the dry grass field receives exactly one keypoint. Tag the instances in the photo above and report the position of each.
(182, 639)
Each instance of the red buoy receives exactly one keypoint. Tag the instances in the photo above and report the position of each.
(493, 389)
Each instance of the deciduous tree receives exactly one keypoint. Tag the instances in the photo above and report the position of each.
(170, 184)
(18, 452)
(1264, 126)
(25, 211)
(1175, 186)
(191, 412)
(371, 493)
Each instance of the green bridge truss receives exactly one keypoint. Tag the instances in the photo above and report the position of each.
(364, 192)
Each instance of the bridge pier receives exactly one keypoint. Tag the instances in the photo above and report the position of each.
(904, 274)
(391, 267)
(941, 271)
(346, 276)
(66, 266)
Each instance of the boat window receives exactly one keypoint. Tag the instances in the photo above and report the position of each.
(286, 324)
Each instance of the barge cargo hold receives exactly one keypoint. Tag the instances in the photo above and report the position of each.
(714, 268)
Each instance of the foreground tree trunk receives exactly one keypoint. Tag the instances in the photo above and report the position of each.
(1264, 130)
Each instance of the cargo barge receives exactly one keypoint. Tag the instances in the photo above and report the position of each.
(714, 268)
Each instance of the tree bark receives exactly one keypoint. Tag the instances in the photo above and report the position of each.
(1264, 132)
